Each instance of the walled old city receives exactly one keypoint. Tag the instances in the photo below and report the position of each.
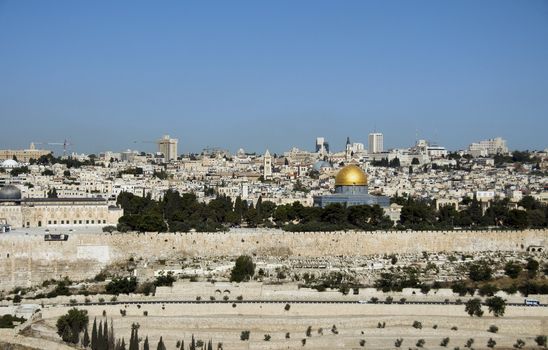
(415, 247)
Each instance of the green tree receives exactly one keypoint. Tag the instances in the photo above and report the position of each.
(85, 339)
(52, 193)
(480, 271)
(161, 345)
(71, 324)
(512, 269)
(146, 346)
(517, 219)
(532, 267)
(496, 305)
(540, 340)
(473, 307)
(94, 344)
(244, 269)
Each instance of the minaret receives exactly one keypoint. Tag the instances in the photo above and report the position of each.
(267, 165)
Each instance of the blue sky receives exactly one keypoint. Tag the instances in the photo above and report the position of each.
(273, 74)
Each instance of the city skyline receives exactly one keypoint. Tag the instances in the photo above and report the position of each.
(273, 75)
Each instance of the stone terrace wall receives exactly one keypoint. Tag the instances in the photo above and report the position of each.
(28, 260)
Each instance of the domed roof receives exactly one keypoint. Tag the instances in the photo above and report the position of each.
(10, 192)
(321, 164)
(9, 163)
(351, 175)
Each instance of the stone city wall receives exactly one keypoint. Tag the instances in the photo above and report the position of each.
(27, 260)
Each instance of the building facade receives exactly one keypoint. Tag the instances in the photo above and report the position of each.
(376, 142)
(19, 212)
(23, 155)
(168, 147)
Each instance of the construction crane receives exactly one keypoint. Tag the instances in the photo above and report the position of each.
(65, 145)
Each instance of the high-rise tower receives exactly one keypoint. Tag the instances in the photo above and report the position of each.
(375, 142)
(168, 147)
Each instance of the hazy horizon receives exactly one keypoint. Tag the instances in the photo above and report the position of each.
(258, 75)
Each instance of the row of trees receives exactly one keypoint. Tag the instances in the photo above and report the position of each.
(73, 328)
(422, 214)
(181, 213)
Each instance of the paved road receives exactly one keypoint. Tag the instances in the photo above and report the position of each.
(277, 302)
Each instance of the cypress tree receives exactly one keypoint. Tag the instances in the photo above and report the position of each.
(161, 345)
(94, 335)
(105, 335)
(192, 343)
(100, 336)
(85, 339)
(182, 345)
(111, 338)
(123, 345)
(132, 338)
(145, 345)
(210, 345)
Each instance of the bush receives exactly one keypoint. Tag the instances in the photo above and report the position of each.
(512, 269)
(488, 290)
(287, 335)
(362, 342)
(123, 285)
(287, 307)
(420, 343)
(540, 340)
(6, 321)
(519, 344)
(267, 337)
(244, 335)
(389, 300)
(17, 299)
(444, 342)
(109, 229)
(164, 279)
(243, 270)
(398, 342)
(417, 325)
(469, 343)
(72, 301)
(493, 329)
(309, 331)
(491, 343)
(480, 271)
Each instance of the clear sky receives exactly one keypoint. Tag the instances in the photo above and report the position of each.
(273, 74)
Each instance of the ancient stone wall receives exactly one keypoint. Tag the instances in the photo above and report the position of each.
(26, 260)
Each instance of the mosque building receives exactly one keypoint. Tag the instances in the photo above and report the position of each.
(351, 189)
(18, 212)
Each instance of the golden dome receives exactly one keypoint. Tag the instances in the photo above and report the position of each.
(351, 175)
